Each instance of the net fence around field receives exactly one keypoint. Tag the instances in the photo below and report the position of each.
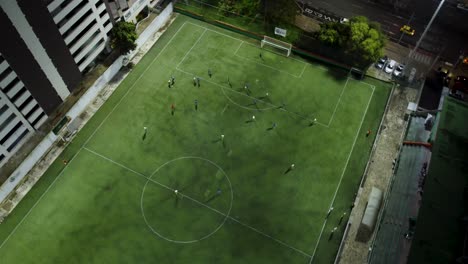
(210, 10)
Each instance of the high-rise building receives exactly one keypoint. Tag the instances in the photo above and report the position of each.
(46, 47)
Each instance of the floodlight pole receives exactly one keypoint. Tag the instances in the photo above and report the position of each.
(427, 28)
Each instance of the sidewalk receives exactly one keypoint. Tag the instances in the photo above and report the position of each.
(380, 170)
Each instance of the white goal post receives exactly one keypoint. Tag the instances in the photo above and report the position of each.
(277, 44)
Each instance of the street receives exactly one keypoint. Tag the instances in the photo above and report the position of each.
(448, 35)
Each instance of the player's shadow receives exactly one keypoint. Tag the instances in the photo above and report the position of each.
(144, 136)
(223, 142)
(214, 196)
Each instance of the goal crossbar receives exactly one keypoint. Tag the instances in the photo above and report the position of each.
(277, 44)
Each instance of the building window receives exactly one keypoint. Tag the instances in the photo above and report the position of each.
(82, 33)
(9, 134)
(77, 24)
(7, 122)
(17, 140)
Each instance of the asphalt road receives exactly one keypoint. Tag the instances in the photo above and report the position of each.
(447, 36)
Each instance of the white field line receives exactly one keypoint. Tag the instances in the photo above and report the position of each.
(302, 72)
(133, 85)
(38, 200)
(254, 45)
(338, 102)
(342, 173)
(89, 138)
(273, 106)
(198, 202)
(194, 44)
(268, 66)
(235, 52)
(224, 109)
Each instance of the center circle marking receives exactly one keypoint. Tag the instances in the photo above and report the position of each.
(194, 240)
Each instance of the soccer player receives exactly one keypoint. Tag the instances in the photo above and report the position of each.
(218, 192)
(172, 109)
(368, 133)
(176, 192)
(329, 211)
(198, 82)
(273, 125)
(196, 104)
(253, 118)
(209, 72)
(144, 133)
(290, 168)
(169, 84)
(260, 55)
(172, 80)
(194, 81)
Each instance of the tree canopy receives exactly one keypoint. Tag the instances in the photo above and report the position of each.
(123, 36)
(280, 11)
(239, 7)
(359, 38)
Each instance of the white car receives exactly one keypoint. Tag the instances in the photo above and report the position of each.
(399, 70)
(390, 66)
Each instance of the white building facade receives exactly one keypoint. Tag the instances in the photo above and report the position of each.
(48, 46)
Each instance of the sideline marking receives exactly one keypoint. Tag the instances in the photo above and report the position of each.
(89, 138)
(194, 44)
(343, 172)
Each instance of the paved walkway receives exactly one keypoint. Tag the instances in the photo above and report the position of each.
(380, 170)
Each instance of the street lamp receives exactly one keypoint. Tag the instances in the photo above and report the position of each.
(427, 28)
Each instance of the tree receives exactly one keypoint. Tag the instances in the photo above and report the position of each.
(123, 36)
(362, 40)
(248, 7)
(239, 7)
(280, 11)
(366, 40)
(227, 7)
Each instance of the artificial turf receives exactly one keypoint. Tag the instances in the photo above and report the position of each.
(115, 201)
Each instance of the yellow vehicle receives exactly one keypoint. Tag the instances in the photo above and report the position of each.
(407, 30)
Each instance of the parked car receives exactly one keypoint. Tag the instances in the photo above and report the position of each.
(407, 30)
(461, 83)
(381, 62)
(344, 20)
(399, 70)
(390, 66)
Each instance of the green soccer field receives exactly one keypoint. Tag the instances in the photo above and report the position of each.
(238, 200)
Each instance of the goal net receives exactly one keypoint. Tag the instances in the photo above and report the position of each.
(278, 44)
(356, 73)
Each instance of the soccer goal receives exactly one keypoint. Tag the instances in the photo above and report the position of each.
(356, 73)
(278, 44)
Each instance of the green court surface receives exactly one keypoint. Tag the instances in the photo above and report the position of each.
(237, 199)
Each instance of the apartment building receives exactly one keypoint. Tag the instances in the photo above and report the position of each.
(47, 47)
